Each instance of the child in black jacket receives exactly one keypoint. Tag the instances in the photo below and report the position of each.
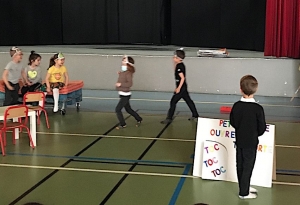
(248, 119)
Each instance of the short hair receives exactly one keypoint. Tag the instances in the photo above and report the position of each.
(14, 50)
(248, 84)
(180, 53)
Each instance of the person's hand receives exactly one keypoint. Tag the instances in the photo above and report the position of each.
(177, 90)
(28, 83)
(48, 90)
(119, 72)
(10, 87)
(118, 84)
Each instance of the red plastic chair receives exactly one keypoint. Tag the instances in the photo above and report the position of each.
(10, 113)
(36, 97)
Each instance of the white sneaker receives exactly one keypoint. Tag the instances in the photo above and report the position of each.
(252, 190)
(55, 109)
(249, 196)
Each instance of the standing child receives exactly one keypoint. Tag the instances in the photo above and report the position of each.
(57, 77)
(123, 86)
(11, 76)
(248, 119)
(32, 74)
(181, 88)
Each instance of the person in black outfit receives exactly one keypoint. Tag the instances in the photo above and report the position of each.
(248, 119)
(181, 88)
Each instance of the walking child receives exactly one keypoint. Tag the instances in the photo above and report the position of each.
(57, 77)
(123, 85)
(248, 119)
(11, 76)
(181, 90)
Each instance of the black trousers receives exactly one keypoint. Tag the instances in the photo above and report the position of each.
(245, 160)
(186, 97)
(11, 96)
(30, 88)
(124, 103)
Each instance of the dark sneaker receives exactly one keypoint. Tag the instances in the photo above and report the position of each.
(138, 123)
(120, 127)
(166, 121)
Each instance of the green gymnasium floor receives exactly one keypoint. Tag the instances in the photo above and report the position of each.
(83, 160)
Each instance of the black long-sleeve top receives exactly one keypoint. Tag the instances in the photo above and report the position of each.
(248, 119)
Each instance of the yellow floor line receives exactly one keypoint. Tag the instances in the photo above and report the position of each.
(118, 172)
(197, 102)
(140, 138)
(121, 137)
(96, 170)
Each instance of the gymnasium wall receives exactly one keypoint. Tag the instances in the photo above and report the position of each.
(277, 77)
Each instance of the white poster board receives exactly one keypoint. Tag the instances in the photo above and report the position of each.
(215, 154)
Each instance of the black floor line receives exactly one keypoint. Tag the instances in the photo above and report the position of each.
(130, 163)
(132, 167)
(63, 165)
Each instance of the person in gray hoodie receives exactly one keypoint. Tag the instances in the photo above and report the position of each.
(123, 85)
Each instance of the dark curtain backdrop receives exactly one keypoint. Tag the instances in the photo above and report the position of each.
(201, 23)
(30, 22)
(219, 23)
(112, 21)
(283, 28)
(83, 21)
(141, 21)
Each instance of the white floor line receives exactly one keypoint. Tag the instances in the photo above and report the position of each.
(197, 102)
(286, 183)
(118, 172)
(122, 137)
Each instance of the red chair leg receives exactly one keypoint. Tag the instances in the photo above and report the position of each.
(4, 137)
(46, 116)
(14, 136)
(39, 113)
(29, 135)
(2, 147)
(20, 121)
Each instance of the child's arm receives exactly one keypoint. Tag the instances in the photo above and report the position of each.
(66, 78)
(261, 128)
(25, 79)
(182, 79)
(4, 77)
(128, 82)
(231, 118)
(47, 82)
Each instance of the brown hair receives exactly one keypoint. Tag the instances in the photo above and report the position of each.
(52, 60)
(130, 68)
(11, 53)
(248, 84)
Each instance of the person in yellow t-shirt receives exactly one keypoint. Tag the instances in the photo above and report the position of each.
(57, 77)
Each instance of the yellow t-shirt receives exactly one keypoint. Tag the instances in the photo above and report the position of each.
(57, 74)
